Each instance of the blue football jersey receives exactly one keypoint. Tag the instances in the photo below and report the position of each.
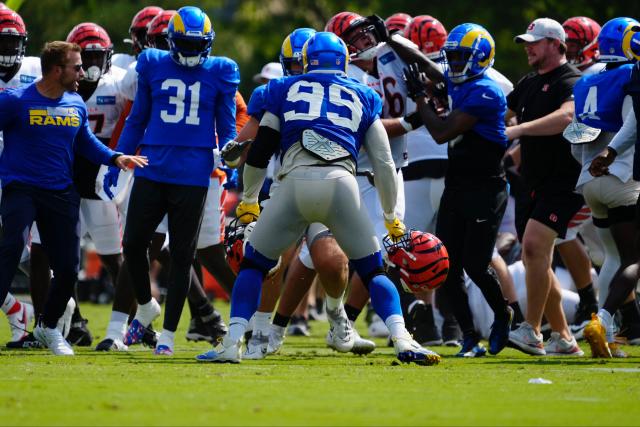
(176, 115)
(599, 98)
(483, 98)
(256, 105)
(333, 105)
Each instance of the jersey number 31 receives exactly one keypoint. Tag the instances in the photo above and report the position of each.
(316, 97)
(179, 102)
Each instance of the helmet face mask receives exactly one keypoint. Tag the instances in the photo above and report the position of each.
(190, 35)
(362, 42)
(13, 40)
(582, 41)
(95, 63)
(96, 49)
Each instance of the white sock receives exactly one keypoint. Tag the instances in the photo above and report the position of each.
(237, 328)
(9, 302)
(261, 322)
(117, 325)
(166, 338)
(395, 323)
(607, 322)
(333, 304)
(146, 313)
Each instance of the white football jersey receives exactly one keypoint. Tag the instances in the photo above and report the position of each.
(392, 89)
(130, 82)
(106, 103)
(594, 68)
(504, 83)
(122, 60)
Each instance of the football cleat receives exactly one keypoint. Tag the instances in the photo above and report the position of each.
(19, 321)
(299, 327)
(210, 330)
(139, 334)
(226, 351)
(526, 340)
(256, 346)
(276, 339)
(163, 350)
(340, 336)
(26, 342)
(595, 334)
(407, 351)
(616, 351)
(471, 347)
(360, 345)
(377, 328)
(53, 340)
(451, 333)
(64, 323)
(499, 337)
(111, 344)
(79, 334)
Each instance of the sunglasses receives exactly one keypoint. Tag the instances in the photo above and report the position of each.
(76, 67)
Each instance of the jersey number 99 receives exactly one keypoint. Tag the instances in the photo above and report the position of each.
(316, 97)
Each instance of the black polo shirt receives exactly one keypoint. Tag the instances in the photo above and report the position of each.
(547, 163)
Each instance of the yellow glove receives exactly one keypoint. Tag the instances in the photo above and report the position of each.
(395, 228)
(248, 212)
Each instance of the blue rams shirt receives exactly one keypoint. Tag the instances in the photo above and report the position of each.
(599, 98)
(256, 105)
(477, 154)
(176, 114)
(42, 135)
(333, 105)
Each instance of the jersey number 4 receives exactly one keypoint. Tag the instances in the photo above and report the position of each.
(316, 97)
(179, 102)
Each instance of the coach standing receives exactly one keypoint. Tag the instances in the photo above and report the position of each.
(44, 125)
(542, 102)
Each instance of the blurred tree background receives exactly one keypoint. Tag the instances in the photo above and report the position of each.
(251, 31)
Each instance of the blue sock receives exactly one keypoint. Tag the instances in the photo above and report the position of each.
(245, 296)
(384, 296)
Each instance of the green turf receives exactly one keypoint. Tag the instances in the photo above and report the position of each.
(309, 385)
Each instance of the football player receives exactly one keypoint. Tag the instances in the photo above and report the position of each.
(318, 120)
(475, 196)
(182, 95)
(602, 101)
(138, 34)
(16, 70)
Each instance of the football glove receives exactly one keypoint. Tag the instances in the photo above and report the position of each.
(248, 212)
(415, 85)
(381, 29)
(232, 151)
(395, 228)
(110, 180)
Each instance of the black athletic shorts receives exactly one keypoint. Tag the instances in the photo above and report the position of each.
(553, 210)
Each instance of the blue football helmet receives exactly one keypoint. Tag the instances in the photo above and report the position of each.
(325, 51)
(615, 40)
(291, 51)
(468, 52)
(190, 36)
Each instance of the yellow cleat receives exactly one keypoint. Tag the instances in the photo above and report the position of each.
(595, 334)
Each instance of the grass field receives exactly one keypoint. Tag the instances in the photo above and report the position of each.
(310, 385)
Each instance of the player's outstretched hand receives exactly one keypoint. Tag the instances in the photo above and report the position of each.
(232, 152)
(415, 85)
(124, 161)
(396, 229)
(248, 212)
(110, 180)
(380, 27)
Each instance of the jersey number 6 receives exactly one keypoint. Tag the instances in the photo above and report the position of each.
(316, 97)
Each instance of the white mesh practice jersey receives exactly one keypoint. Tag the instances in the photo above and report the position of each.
(130, 82)
(107, 103)
(122, 60)
(392, 89)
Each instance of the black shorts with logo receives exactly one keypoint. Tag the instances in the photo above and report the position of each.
(553, 210)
